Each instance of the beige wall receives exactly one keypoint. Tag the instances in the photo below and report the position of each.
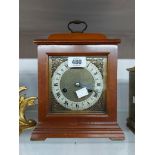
(39, 18)
(29, 50)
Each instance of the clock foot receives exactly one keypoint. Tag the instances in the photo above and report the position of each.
(117, 138)
(36, 137)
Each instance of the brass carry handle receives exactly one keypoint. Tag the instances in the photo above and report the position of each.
(77, 22)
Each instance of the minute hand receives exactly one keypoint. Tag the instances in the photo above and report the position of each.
(88, 86)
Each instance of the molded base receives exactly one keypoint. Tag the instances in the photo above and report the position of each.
(107, 130)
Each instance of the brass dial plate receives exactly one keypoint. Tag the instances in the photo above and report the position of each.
(66, 87)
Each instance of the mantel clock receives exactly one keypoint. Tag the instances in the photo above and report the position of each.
(77, 86)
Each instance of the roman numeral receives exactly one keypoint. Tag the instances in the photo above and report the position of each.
(58, 94)
(88, 65)
(66, 103)
(55, 84)
(77, 106)
(66, 65)
(95, 73)
(98, 84)
(58, 73)
(95, 95)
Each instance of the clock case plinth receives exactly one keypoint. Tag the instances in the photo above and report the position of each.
(79, 130)
(91, 125)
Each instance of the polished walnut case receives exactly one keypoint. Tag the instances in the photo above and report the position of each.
(85, 125)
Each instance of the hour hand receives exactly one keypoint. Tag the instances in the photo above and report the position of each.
(88, 86)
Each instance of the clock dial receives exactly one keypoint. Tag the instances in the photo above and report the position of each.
(68, 82)
(77, 86)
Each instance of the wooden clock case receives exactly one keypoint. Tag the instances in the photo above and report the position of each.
(63, 125)
(131, 118)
